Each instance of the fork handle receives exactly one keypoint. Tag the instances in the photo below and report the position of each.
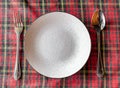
(100, 64)
(17, 69)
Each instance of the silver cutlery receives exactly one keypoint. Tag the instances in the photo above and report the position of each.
(98, 21)
(18, 25)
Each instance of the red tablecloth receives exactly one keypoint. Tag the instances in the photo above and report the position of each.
(83, 10)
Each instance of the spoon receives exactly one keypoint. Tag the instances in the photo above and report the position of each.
(98, 21)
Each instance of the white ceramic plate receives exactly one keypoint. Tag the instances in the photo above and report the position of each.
(57, 45)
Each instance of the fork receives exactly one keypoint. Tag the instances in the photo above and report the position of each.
(18, 25)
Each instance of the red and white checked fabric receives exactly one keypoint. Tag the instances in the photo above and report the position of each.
(83, 10)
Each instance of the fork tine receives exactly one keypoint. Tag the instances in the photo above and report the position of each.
(21, 23)
(15, 19)
(20, 19)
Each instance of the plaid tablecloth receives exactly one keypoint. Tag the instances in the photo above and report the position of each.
(83, 10)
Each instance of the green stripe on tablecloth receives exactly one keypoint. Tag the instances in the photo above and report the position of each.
(43, 7)
(63, 82)
(118, 4)
(82, 15)
(43, 82)
(62, 5)
(24, 65)
(100, 4)
(5, 43)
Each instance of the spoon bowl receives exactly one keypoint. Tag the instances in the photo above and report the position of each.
(102, 20)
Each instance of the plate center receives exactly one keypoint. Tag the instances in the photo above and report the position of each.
(56, 44)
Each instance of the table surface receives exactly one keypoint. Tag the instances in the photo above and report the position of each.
(83, 10)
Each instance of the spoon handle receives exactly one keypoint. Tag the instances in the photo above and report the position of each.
(100, 64)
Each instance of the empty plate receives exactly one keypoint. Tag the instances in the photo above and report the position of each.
(57, 45)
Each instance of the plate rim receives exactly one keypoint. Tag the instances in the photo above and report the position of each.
(64, 75)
